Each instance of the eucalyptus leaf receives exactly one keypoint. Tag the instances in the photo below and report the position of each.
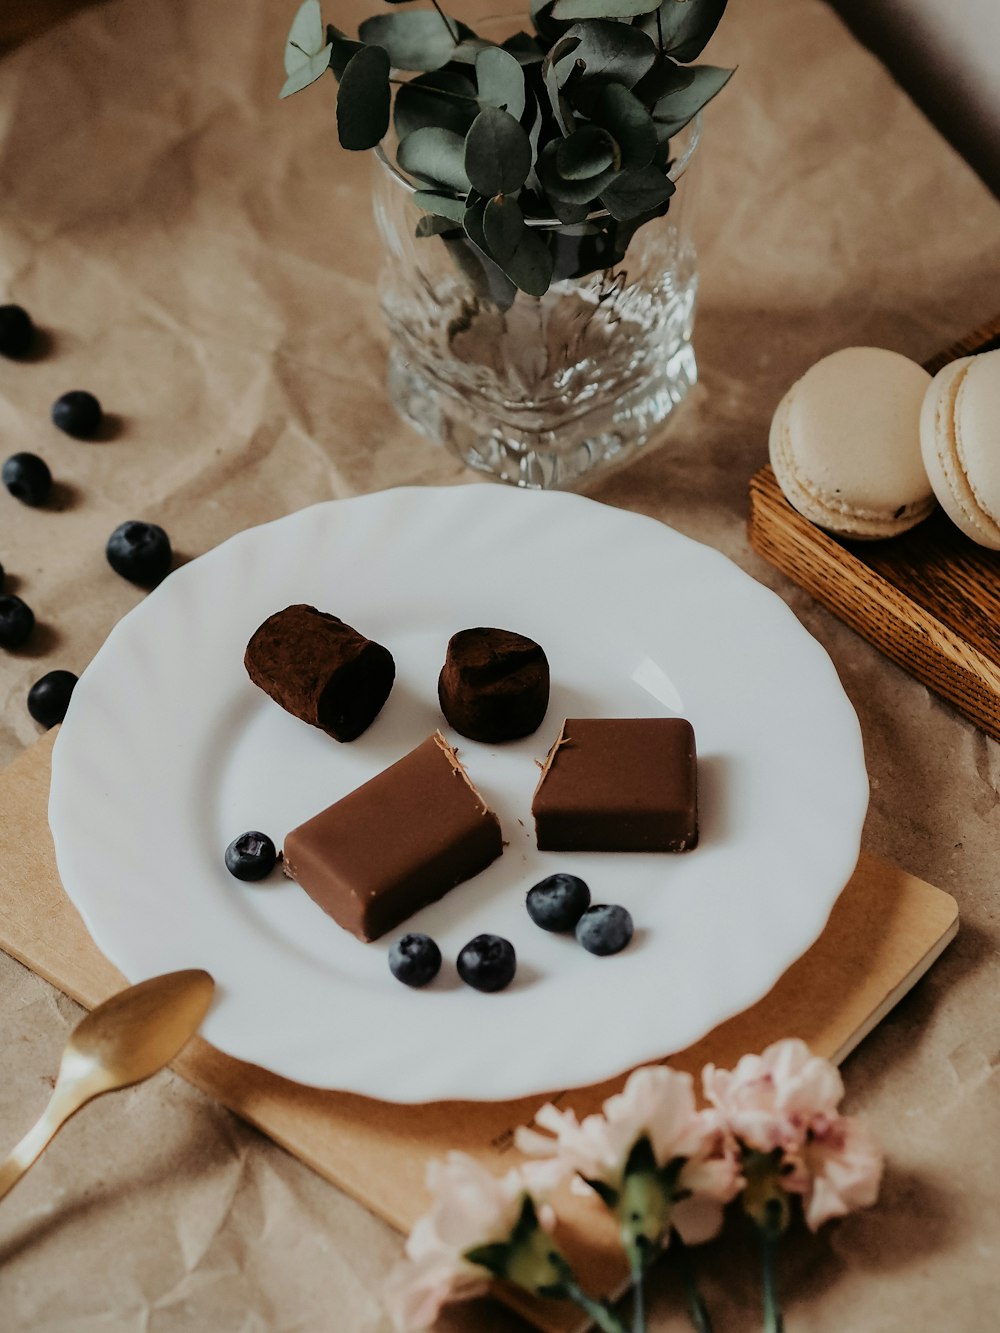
(602, 9)
(563, 190)
(441, 205)
(363, 101)
(468, 50)
(562, 52)
(342, 48)
(503, 226)
(628, 122)
(673, 111)
(488, 283)
(547, 27)
(417, 39)
(305, 36)
(501, 81)
(687, 26)
(445, 98)
(665, 77)
(530, 266)
(524, 48)
(586, 153)
(435, 155)
(612, 51)
(308, 72)
(499, 288)
(431, 224)
(497, 153)
(634, 192)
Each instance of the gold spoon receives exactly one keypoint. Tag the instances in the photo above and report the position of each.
(123, 1041)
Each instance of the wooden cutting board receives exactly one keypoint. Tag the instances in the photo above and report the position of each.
(929, 599)
(886, 929)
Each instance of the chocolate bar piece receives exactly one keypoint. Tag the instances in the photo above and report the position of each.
(494, 685)
(395, 844)
(321, 670)
(619, 785)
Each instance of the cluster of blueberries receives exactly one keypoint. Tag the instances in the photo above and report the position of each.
(139, 552)
(559, 902)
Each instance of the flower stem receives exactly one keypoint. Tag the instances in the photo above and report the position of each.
(697, 1309)
(638, 1296)
(605, 1319)
(773, 1322)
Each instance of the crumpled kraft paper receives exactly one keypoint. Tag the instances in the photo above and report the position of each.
(203, 258)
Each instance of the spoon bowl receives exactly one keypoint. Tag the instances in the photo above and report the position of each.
(123, 1041)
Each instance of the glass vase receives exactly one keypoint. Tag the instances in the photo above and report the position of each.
(541, 393)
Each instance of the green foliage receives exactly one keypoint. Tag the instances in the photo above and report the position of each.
(539, 157)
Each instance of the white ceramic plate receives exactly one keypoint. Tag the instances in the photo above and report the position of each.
(168, 752)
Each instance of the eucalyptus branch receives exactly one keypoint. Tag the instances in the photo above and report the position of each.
(438, 92)
(659, 31)
(452, 32)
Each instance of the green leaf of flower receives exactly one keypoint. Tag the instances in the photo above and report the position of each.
(497, 153)
(586, 153)
(628, 122)
(441, 205)
(435, 155)
(687, 26)
(673, 111)
(491, 1257)
(503, 227)
(635, 192)
(414, 38)
(501, 81)
(445, 98)
(641, 1158)
(607, 1195)
(602, 9)
(530, 266)
(363, 100)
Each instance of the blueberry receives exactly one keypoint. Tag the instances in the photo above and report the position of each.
(28, 478)
(17, 332)
(487, 963)
(139, 552)
(78, 413)
(49, 697)
(415, 959)
(17, 620)
(251, 856)
(558, 902)
(603, 929)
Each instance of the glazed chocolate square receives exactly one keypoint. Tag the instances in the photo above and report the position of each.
(395, 844)
(619, 785)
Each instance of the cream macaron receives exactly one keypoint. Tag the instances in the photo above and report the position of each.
(845, 444)
(960, 441)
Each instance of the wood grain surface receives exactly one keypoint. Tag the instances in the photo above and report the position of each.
(929, 599)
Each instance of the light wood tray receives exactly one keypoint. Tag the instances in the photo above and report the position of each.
(886, 929)
(929, 599)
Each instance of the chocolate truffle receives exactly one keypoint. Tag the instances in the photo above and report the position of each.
(395, 844)
(321, 670)
(494, 685)
(619, 785)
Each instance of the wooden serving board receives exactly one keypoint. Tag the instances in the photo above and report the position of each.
(885, 931)
(929, 599)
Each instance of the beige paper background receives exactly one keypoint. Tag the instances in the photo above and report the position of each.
(203, 259)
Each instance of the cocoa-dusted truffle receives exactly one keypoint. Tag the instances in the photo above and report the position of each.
(321, 670)
(395, 844)
(494, 685)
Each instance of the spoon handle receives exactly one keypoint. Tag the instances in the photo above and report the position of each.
(62, 1104)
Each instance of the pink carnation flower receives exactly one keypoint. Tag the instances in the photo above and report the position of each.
(470, 1208)
(657, 1102)
(787, 1099)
